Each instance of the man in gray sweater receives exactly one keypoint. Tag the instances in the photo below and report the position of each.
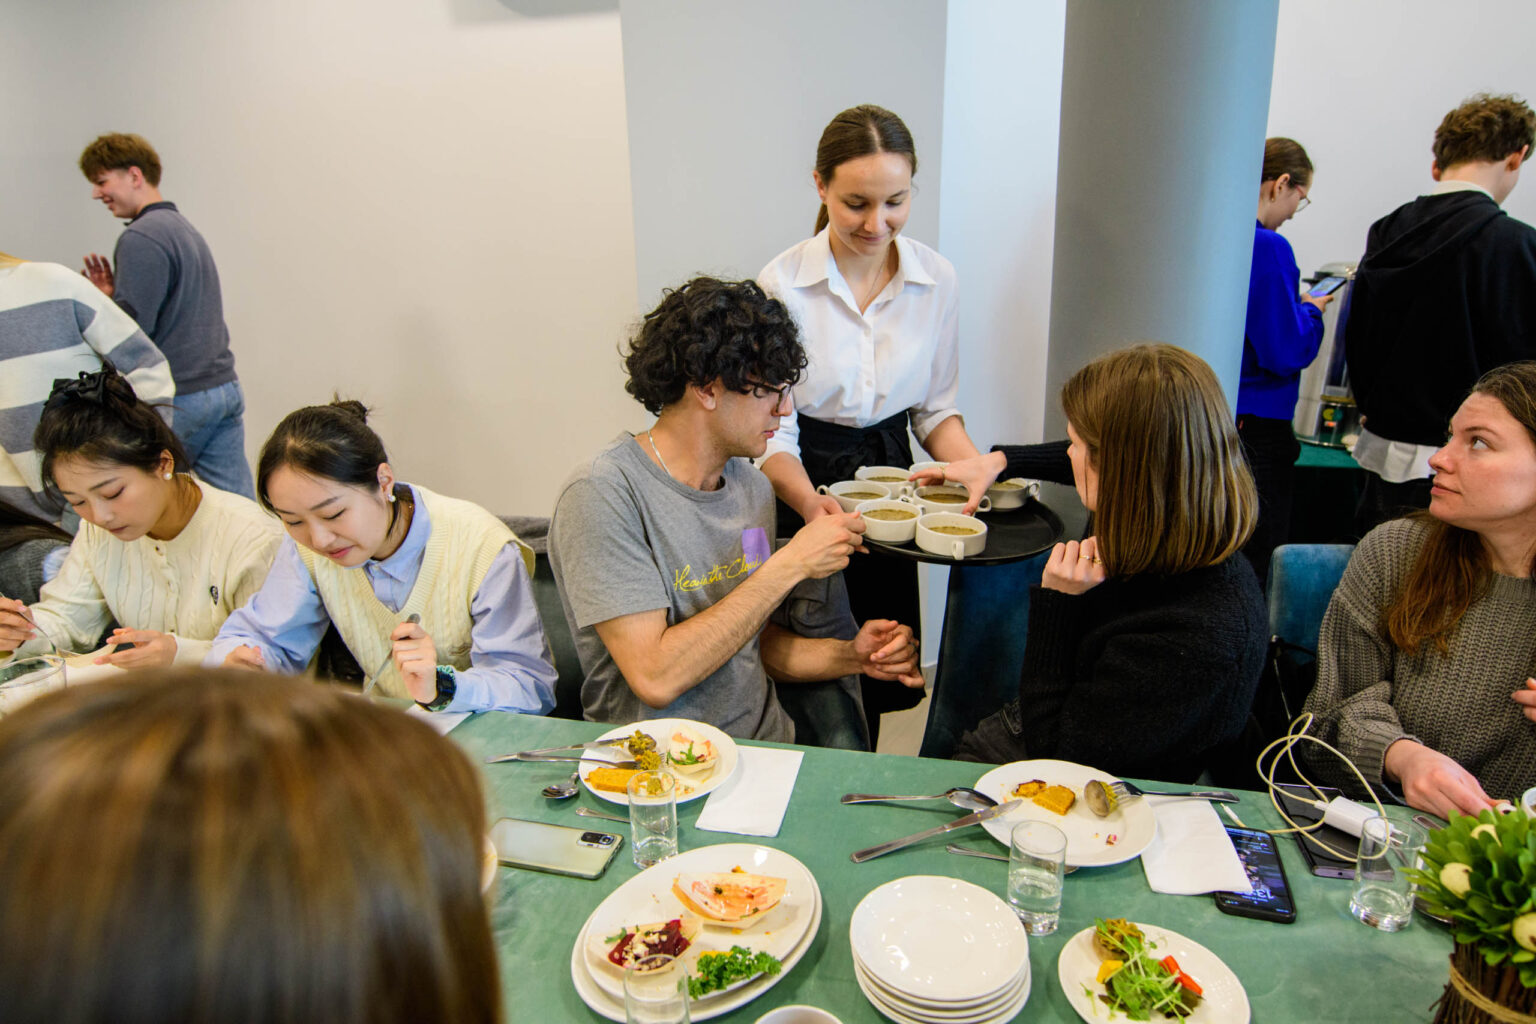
(165, 278)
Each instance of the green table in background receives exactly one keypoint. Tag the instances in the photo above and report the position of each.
(1325, 967)
(1327, 488)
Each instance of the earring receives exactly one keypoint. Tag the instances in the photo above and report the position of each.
(169, 475)
(391, 497)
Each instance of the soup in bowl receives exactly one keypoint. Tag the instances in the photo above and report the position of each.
(890, 521)
(849, 493)
(893, 477)
(951, 534)
(947, 498)
(1012, 493)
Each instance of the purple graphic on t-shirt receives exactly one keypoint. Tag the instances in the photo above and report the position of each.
(754, 547)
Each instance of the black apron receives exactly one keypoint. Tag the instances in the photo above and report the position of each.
(879, 586)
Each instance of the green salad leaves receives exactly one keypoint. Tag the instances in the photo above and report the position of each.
(721, 970)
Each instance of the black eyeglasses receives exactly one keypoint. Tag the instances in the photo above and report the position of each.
(764, 390)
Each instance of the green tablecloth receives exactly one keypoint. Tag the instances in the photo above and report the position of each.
(1325, 967)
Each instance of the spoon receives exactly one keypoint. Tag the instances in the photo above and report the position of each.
(563, 790)
(961, 796)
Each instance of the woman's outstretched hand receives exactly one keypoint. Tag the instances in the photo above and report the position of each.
(975, 474)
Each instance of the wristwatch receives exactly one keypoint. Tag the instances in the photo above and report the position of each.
(447, 686)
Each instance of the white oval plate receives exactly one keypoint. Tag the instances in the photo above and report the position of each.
(892, 1011)
(712, 1005)
(648, 897)
(1087, 834)
(690, 787)
(1223, 1001)
(939, 939)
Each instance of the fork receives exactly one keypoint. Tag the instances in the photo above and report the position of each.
(1109, 795)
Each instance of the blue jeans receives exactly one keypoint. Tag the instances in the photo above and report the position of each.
(211, 430)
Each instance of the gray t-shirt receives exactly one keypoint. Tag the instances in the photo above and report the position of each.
(628, 538)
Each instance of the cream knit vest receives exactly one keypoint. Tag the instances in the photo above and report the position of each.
(464, 541)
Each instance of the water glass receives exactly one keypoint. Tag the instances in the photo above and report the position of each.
(29, 678)
(1037, 859)
(652, 816)
(656, 991)
(1383, 892)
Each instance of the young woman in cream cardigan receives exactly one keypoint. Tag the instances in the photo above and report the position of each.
(162, 554)
(368, 553)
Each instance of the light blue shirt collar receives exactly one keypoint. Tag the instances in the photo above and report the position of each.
(405, 563)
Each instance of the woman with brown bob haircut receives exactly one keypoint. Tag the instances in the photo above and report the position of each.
(1146, 640)
(1429, 640)
(209, 846)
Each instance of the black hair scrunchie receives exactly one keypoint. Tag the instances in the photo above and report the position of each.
(90, 387)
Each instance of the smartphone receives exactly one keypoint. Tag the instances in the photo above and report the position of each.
(1323, 863)
(1327, 286)
(557, 849)
(1271, 896)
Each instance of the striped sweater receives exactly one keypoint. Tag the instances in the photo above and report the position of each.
(54, 323)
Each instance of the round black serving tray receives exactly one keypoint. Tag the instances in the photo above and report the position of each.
(1011, 535)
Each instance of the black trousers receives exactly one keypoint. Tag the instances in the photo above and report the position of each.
(1272, 449)
(879, 587)
(1381, 500)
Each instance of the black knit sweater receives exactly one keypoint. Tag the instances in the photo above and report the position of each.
(1140, 676)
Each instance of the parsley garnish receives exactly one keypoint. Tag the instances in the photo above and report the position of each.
(720, 970)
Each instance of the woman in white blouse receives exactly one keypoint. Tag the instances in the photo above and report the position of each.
(163, 555)
(878, 314)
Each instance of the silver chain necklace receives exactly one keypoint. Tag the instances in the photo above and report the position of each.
(651, 437)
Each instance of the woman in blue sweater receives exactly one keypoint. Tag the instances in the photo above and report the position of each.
(1280, 339)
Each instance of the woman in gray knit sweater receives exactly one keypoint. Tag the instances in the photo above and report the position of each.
(1428, 644)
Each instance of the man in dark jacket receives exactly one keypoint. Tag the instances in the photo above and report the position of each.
(1446, 290)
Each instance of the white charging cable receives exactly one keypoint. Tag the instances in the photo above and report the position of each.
(1341, 813)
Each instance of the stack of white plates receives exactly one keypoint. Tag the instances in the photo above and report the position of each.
(933, 950)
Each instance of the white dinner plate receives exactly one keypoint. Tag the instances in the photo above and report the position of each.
(940, 939)
(689, 787)
(648, 897)
(895, 1012)
(1089, 843)
(1223, 1000)
(712, 1005)
(940, 1013)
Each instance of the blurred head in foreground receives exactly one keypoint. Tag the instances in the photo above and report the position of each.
(204, 846)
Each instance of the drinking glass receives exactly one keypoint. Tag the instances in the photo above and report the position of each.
(28, 679)
(1037, 858)
(656, 991)
(1383, 893)
(652, 816)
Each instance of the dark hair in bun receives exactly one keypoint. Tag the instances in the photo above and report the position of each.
(98, 417)
(333, 442)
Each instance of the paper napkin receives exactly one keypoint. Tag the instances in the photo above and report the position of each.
(1191, 852)
(753, 802)
(442, 721)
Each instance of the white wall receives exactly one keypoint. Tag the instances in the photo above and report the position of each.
(727, 99)
(423, 205)
(1363, 85)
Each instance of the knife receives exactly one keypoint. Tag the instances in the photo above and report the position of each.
(373, 680)
(589, 745)
(533, 755)
(970, 819)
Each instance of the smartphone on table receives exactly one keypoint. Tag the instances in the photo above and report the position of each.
(557, 849)
(1327, 286)
(1317, 846)
(1270, 899)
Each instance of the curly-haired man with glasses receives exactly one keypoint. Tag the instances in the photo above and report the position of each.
(663, 543)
